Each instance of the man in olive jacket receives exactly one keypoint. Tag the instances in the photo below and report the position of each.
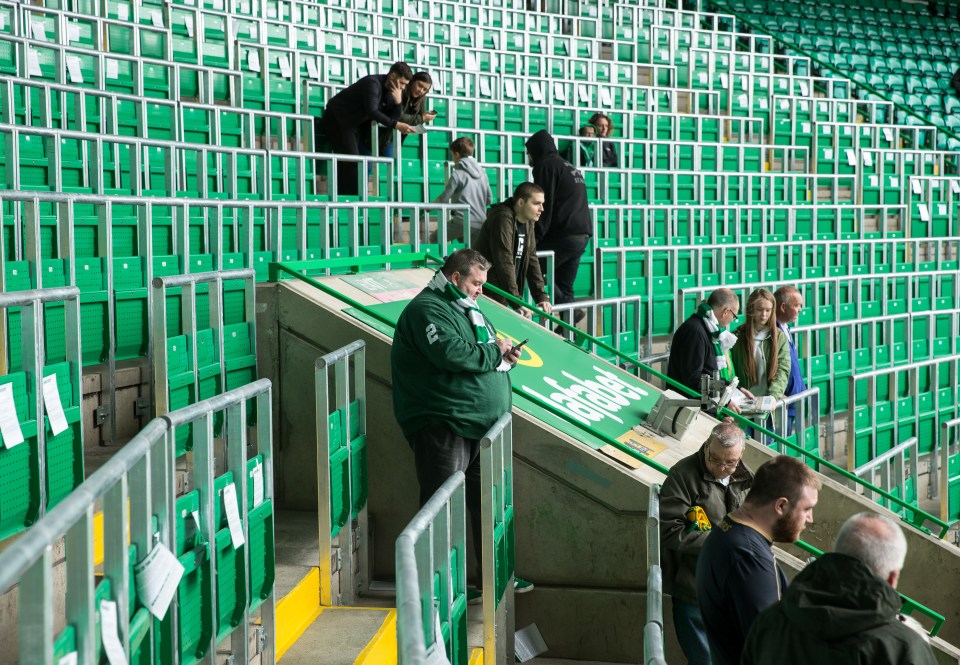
(843, 608)
(450, 378)
(508, 239)
(715, 480)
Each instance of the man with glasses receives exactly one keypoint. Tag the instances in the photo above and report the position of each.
(702, 343)
(737, 573)
(699, 490)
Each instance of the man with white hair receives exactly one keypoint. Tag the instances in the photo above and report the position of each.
(698, 492)
(843, 608)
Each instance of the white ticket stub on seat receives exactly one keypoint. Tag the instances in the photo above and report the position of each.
(52, 405)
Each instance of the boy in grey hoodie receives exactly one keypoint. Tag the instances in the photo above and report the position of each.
(468, 184)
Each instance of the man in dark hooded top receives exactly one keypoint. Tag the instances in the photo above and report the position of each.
(565, 225)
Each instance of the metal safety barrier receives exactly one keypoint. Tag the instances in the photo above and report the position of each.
(653, 628)
(341, 412)
(431, 562)
(143, 522)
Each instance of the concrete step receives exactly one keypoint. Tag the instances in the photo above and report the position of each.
(336, 637)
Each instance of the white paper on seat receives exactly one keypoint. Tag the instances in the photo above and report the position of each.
(52, 405)
(272, 11)
(874, 181)
(38, 31)
(804, 88)
(955, 186)
(851, 157)
(684, 56)
(942, 209)
(69, 659)
(762, 103)
(762, 83)
(256, 475)
(253, 61)
(805, 127)
(888, 134)
(510, 88)
(233, 515)
(113, 69)
(828, 153)
(312, 70)
(560, 92)
(73, 69)
(703, 78)
(157, 577)
(894, 181)
(485, 86)
(536, 92)
(784, 105)
(605, 97)
(743, 100)
(3, 21)
(33, 62)
(188, 24)
(924, 213)
(9, 422)
(73, 32)
(123, 12)
(724, 81)
(867, 158)
(109, 635)
(665, 55)
(284, 64)
(156, 18)
(582, 93)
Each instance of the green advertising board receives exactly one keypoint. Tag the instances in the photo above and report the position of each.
(595, 396)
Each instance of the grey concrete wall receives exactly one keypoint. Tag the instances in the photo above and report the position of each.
(580, 514)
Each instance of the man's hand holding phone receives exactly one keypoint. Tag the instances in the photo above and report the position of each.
(510, 352)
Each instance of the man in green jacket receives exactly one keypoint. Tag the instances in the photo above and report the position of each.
(844, 608)
(698, 492)
(450, 381)
(508, 239)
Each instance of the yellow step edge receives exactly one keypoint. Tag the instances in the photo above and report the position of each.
(297, 610)
(476, 656)
(382, 649)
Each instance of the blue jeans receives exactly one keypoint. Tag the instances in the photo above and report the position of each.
(688, 623)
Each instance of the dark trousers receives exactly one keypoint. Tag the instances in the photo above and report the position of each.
(439, 453)
(567, 251)
(342, 141)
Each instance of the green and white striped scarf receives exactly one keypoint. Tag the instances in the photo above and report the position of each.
(723, 340)
(483, 330)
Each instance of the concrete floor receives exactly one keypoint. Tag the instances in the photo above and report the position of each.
(336, 638)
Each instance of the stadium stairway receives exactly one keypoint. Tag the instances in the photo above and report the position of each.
(581, 501)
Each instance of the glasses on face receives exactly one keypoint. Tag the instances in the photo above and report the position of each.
(733, 315)
(719, 463)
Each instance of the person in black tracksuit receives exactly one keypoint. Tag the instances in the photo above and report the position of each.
(374, 98)
(565, 225)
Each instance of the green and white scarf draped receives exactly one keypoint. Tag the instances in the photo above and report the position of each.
(723, 340)
(484, 331)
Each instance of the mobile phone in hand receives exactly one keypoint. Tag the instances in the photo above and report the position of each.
(517, 346)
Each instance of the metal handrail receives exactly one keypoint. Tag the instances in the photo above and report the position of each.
(653, 628)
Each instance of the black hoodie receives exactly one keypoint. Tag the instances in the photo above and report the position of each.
(836, 612)
(565, 210)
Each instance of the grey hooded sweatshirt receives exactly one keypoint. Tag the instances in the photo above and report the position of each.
(468, 184)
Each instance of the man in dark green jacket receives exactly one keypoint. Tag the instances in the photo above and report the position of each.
(450, 381)
(843, 609)
(508, 239)
(716, 480)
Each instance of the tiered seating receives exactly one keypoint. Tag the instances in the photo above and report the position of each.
(896, 50)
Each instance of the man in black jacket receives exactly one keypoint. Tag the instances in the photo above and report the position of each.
(565, 225)
(702, 343)
(374, 98)
(844, 608)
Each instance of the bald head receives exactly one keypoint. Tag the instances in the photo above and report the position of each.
(789, 304)
(723, 298)
(877, 542)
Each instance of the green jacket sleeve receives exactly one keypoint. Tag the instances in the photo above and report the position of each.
(779, 383)
(438, 338)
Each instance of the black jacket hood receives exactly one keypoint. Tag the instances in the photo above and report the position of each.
(837, 597)
(541, 145)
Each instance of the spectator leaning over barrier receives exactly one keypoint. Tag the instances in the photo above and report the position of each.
(450, 380)
(737, 574)
(702, 343)
(789, 305)
(413, 110)
(374, 98)
(467, 184)
(844, 608)
(604, 127)
(508, 238)
(566, 225)
(699, 491)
